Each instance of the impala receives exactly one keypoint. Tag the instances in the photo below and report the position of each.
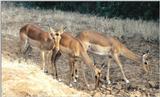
(32, 36)
(75, 51)
(101, 45)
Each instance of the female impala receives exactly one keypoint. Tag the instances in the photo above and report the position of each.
(32, 36)
(101, 45)
(74, 49)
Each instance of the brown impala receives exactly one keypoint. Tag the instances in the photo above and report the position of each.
(74, 49)
(32, 36)
(101, 45)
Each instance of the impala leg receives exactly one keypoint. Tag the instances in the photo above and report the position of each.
(23, 42)
(93, 72)
(77, 60)
(47, 63)
(120, 65)
(74, 71)
(145, 67)
(49, 66)
(109, 63)
(83, 71)
(23, 47)
(43, 60)
(86, 59)
(55, 56)
(95, 75)
(28, 50)
(149, 68)
(75, 76)
(55, 68)
(53, 61)
(71, 66)
(97, 80)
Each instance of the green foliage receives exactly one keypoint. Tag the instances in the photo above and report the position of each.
(133, 10)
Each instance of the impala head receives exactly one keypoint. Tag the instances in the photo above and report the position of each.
(56, 35)
(145, 60)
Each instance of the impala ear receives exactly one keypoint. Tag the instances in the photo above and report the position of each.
(51, 30)
(62, 29)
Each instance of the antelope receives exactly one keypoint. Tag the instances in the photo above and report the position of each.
(34, 37)
(75, 51)
(106, 45)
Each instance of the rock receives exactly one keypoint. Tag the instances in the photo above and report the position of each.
(152, 84)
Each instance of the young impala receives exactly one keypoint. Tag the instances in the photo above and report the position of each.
(74, 49)
(101, 45)
(32, 36)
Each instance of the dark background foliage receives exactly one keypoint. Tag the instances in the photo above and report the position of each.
(133, 10)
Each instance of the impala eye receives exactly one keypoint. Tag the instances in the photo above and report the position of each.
(57, 34)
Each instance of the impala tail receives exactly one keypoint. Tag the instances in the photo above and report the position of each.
(23, 41)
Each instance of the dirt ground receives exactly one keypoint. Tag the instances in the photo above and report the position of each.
(146, 85)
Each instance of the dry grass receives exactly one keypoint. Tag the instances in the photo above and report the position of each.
(13, 18)
(22, 80)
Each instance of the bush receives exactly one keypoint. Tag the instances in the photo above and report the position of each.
(132, 10)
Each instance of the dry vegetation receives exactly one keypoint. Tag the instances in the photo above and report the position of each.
(22, 80)
(13, 18)
(25, 78)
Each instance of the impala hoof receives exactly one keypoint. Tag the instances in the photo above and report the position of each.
(59, 80)
(127, 81)
(88, 85)
(76, 76)
(45, 71)
(109, 82)
(75, 81)
(70, 85)
(103, 86)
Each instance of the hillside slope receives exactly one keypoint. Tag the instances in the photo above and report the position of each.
(22, 80)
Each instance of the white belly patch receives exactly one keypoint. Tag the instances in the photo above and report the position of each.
(100, 50)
